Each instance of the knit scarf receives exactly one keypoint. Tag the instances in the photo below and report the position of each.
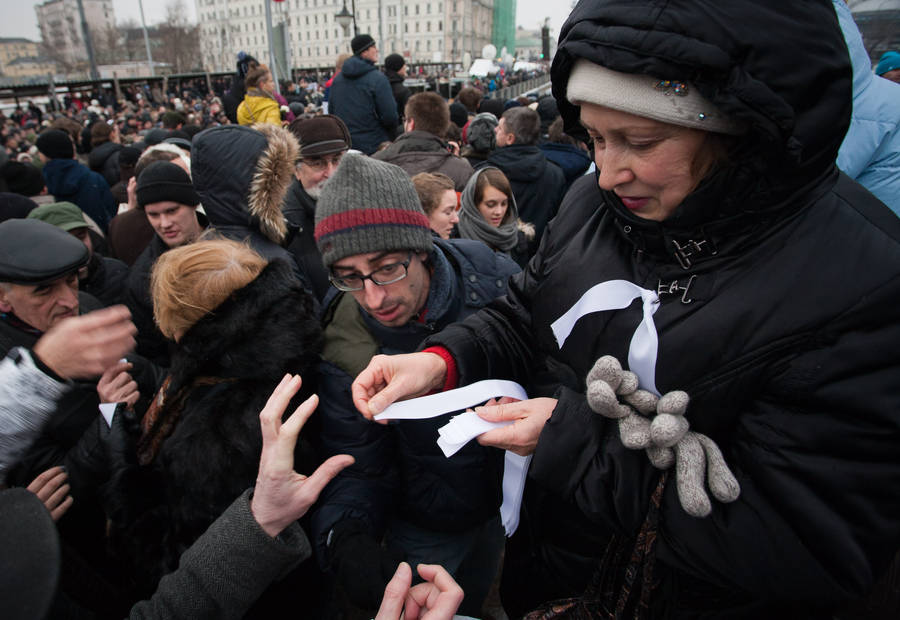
(472, 224)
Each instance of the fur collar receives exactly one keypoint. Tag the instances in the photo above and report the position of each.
(274, 175)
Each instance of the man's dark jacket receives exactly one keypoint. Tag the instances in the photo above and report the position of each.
(104, 160)
(419, 151)
(400, 91)
(150, 341)
(538, 184)
(69, 180)
(300, 212)
(361, 97)
(399, 469)
(105, 280)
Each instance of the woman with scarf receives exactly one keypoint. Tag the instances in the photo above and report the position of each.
(489, 214)
(240, 323)
(708, 333)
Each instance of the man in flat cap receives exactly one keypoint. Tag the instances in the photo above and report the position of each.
(323, 142)
(39, 266)
(361, 96)
(102, 277)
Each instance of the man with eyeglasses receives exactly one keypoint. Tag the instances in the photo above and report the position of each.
(323, 141)
(395, 284)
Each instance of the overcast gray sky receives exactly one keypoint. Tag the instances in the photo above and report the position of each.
(19, 19)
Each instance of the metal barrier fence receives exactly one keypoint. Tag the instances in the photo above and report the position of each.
(538, 85)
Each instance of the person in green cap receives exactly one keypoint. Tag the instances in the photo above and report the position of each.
(102, 277)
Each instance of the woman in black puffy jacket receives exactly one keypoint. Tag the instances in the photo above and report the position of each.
(748, 288)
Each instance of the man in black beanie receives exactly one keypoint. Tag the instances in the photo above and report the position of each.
(395, 70)
(166, 195)
(361, 96)
(71, 181)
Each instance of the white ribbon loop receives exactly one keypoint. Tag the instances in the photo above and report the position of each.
(466, 426)
(616, 295)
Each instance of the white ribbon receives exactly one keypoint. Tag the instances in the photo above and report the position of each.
(616, 295)
(466, 426)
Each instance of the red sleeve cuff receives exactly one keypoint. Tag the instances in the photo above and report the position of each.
(452, 373)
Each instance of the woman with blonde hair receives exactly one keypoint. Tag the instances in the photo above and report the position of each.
(240, 323)
(259, 104)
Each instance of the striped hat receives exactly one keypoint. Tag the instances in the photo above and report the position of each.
(369, 206)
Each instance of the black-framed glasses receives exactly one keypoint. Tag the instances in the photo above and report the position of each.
(320, 163)
(384, 275)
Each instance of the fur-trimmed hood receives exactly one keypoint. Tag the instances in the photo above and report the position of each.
(242, 175)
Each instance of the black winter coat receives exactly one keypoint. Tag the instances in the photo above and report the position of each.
(537, 183)
(361, 97)
(150, 341)
(300, 212)
(105, 280)
(104, 160)
(778, 279)
(230, 361)
(400, 91)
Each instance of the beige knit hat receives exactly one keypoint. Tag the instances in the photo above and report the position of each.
(678, 103)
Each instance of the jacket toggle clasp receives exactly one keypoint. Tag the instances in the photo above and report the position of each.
(683, 253)
(673, 288)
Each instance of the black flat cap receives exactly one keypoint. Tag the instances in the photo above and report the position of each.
(35, 252)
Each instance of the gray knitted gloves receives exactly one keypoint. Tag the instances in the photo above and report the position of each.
(663, 434)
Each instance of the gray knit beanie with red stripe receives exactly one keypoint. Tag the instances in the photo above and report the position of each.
(369, 206)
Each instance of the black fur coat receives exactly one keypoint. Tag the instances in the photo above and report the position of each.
(211, 456)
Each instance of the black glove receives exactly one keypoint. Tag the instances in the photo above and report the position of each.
(362, 565)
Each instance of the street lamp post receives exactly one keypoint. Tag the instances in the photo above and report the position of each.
(345, 17)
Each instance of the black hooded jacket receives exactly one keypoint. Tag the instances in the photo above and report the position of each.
(777, 278)
(242, 175)
(537, 183)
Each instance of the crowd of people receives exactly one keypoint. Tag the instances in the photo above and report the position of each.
(245, 333)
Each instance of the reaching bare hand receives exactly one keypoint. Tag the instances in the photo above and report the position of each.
(282, 495)
(437, 598)
(520, 437)
(117, 386)
(52, 490)
(389, 378)
(83, 347)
